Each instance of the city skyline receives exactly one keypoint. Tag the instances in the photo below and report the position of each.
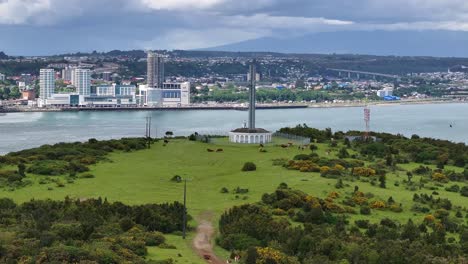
(186, 24)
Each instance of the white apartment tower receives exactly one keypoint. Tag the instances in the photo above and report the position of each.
(46, 83)
(82, 81)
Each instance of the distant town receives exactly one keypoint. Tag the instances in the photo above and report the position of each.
(178, 79)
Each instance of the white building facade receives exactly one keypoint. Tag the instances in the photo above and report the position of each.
(82, 81)
(46, 85)
(171, 95)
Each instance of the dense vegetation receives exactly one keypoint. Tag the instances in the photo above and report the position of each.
(322, 233)
(86, 231)
(292, 226)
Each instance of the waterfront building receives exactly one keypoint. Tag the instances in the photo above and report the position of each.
(155, 70)
(385, 92)
(2, 77)
(46, 85)
(150, 70)
(28, 95)
(65, 100)
(112, 96)
(170, 95)
(250, 134)
(82, 81)
(159, 72)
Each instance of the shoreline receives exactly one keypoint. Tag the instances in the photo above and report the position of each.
(234, 107)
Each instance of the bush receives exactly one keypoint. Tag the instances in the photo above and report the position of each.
(301, 157)
(249, 166)
(87, 176)
(153, 239)
(239, 241)
(239, 190)
(464, 191)
(176, 178)
(362, 223)
(126, 224)
(365, 210)
(224, 190)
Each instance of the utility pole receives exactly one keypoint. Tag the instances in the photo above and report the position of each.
(148, 131)
(184, 227)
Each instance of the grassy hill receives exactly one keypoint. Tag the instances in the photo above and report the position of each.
(144, 176)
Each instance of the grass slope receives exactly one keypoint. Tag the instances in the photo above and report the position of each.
(144, 177)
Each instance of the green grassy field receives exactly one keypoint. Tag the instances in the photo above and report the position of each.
(145, 177)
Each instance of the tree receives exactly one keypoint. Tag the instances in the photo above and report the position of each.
(410, 231)
(409, 175)
(21, 169)
(389, 160)
(382, 181)
(347, 142)
(343, 154)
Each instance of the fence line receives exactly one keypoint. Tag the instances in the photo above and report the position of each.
(303, 140)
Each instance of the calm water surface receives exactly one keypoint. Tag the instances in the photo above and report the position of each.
(25, 130)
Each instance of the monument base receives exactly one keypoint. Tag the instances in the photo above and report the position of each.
(250, 136)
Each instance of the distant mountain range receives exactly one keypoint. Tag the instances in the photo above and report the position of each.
(398, 43)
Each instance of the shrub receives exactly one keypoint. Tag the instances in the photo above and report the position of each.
(362, 223)
(440, 177)
(126, 224)
(239, 190)
(176, 178)
(396, 208)
(365, 210)
(279, 212)
(280, 162)
(224, 190)
(301, 157)
(87, 176)
(249, 166)
(153, 239)
(378, 205)
(464, 191)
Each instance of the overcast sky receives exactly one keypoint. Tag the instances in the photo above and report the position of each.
(40, 27)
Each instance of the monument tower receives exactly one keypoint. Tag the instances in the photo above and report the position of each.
(251, 134)
(252, 94)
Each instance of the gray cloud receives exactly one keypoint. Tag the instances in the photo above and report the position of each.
(50, 26)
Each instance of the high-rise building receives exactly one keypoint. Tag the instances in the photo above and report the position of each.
(46, 83)
(67, 73)
(155, 70)
(159, 71)
(150, 70)
(82, 81)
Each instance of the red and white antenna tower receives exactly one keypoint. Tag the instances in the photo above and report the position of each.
(367, 116)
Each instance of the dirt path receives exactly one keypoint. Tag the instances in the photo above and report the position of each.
(202, 243)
